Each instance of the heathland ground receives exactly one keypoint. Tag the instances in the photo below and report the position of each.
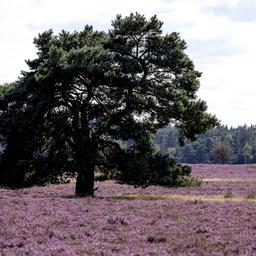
(216, 218)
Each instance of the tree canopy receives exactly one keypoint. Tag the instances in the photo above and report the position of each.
(92, 100)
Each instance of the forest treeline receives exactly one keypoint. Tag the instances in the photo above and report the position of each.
(218, 145)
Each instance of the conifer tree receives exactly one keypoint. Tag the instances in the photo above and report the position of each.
(87, 91)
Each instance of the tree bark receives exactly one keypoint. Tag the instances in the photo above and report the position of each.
(86, 166)
(85, 182)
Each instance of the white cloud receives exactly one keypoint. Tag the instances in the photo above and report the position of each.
(222, 45)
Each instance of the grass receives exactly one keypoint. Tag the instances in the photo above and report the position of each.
(206, 198)
(228, 194)
(251, 196)
(231, 180)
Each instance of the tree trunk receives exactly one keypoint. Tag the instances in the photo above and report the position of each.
(86, 166)
(85, 182)
(85, 154)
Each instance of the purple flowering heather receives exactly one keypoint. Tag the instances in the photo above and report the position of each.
(51, 221)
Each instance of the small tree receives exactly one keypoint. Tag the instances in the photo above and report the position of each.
(87, 91)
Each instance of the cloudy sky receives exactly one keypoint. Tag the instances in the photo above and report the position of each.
(221, 38)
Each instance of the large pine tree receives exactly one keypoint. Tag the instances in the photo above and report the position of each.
(87, 91)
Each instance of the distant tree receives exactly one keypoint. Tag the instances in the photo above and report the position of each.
(87, 91)
(4, 90)
(187, 154)
(222, 152)
(247, 152)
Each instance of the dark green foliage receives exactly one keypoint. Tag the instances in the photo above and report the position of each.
(87, 91)
(137, 165)
(5, 89)
(136, 169)
(218, 145)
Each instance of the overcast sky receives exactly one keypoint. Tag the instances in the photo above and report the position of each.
(221, 38)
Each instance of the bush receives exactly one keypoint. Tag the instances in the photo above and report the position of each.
(144, 170)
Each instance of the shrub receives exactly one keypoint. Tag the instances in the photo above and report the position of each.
(145, 170)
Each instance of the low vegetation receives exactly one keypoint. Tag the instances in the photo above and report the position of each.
(157, 221)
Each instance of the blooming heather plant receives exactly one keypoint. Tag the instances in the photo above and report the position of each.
(47, 221)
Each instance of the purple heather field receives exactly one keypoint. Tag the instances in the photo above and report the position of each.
(123, 220)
